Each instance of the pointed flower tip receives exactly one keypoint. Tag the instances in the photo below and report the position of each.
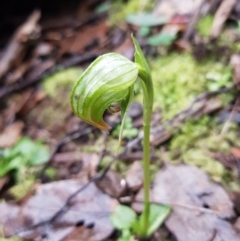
(102, 126)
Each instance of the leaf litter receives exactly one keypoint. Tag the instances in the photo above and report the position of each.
(36, 217)
(198, 205)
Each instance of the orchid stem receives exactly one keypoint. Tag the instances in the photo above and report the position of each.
(147, 114)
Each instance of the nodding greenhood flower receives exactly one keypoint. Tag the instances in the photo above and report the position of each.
(109, 79)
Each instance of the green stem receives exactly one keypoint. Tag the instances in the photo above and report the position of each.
(147, 114)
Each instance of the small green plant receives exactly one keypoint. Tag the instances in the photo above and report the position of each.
(25, 153)
(109, 80)
(125, 220)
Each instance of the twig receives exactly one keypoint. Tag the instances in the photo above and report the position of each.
(45, 70)
(185, 206)
(230, 118)
(161, 133)
(213, 235)
(17, 44)
(221, 16)
(190, 28)
(64, 141)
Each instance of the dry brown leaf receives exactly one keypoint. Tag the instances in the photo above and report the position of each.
(199, 206)
(126, 48)
(75, 164)
(84, 37)
(91, 208)
(11, 134)
(3, 181)
(169, 8)
(236, 152)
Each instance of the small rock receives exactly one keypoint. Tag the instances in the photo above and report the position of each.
(135, 110)
(134, 177)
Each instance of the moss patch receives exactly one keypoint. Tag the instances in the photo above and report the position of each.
(197, 140)
(120, 9)
(53, 110)
(178, 79)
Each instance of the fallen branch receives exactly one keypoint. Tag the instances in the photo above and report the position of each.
(64, 141)
(191, 26)
(199, 107)
(43, 70)
(221, 16)
(17, 46)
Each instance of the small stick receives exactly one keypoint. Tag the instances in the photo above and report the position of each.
(221, 16)
(231, 116)
(17, 44)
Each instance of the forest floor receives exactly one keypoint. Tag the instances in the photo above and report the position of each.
(61, 179)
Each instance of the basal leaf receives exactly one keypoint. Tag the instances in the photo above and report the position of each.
(158, 213)
(123, 217)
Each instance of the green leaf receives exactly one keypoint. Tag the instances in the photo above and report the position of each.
(161, 39)
(25, 153)
(123, 217)
(144, 31)
(107, 80)
(126, 235)
(158, 213)
(204, 25)
(146, 19)
(33, 152)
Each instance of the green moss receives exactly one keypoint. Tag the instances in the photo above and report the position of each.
(128, 130)
(198, 139)
(61, 83)
(204, 25)
(120, 9)
(14, 238)
(178, 79)
(21, 189)
(53, 110)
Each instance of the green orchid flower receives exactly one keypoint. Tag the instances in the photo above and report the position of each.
(110, 80)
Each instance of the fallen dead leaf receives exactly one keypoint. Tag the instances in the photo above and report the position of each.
(126, 48)
(170, 8)
(83, 38)
(3, 181)
(36, 97)
(11, 134)
(90, 209)
(237, 225)
(236, 152)
(199, 206)
(76, 165)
